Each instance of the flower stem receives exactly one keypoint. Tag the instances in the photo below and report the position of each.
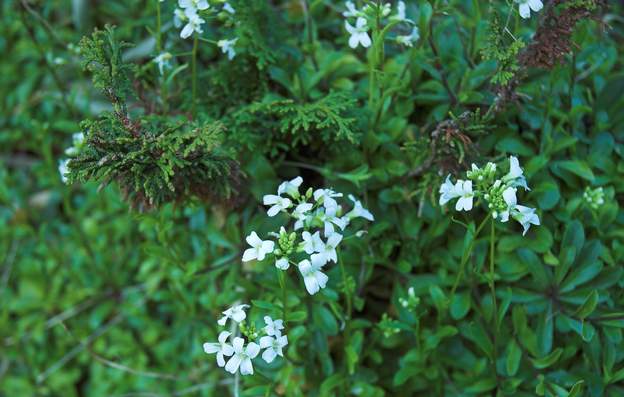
(466, 256)
(194, 75)
(493, 288)
(347, 290)
(282, 282)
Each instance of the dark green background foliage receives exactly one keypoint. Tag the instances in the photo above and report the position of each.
(100, 300)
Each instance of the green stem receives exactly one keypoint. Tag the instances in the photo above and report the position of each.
(493, 291)
(280, 276)
(347, 290)
(194, 74)
(466, 256)
(158, 27)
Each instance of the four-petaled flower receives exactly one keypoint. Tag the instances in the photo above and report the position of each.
(227, 47)
(358, 33)
(410, 39)
(291, 187)
(162, 60)
(193, 25)
(222, 348)
(515, 175)
(312, 242)
(359, 211)
(273, 327)
(259, 248)
(526, 216)
(313, 278)
(327, 253)
(273, 346)
(525, 7)
(242, 357)
(351, 10)
(236, 313)
(277, 203)
(464, 191)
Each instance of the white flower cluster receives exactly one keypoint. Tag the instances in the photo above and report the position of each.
(78, 143)
(498, 194)
(526, 6)
(359, 32)
(189, 14)
(305, 246)
(241, 354)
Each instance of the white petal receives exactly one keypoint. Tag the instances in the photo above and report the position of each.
(365, 40)
(187, 31)
(274, 210)
(282, 264)
(246, 368)
(266, 341)
(249, 254)
(354, 41)
(351, 30)
(536, 5)
(267, 246)
(220, 359)
(269, 355)
(227, 350)
(270, 199)
(253, 239)
(233, 364)
(252, 350)
(222, 320)
(211, 348)
(334, 240)
(525, 11)
(223, 336)
(239, 316)
(311, 284)
(321, 279)
(237, 344)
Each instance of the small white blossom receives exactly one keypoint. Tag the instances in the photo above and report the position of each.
(328, 251)
(358, 33)
(509, 196)
(63, 169)
(386, 10)
(273, 327)
(193, 25)
(259, 248)
(515, 175)
(273, 347)
(525, 7)
(326, 197)
(236, 313)
(162, 60)
(410, 39)
(242, 357)
(194, 4)
(227, 47)
(330, 218)
(312, 242)
(291, 187)
(300, 214)
(77, 141)
(401, 15)
(448, 191)
(359, 211)
(228, 7)
(313, 278)
(351, 10)
(179, 17)
(464, 190)
(222, 348)
(526, 216)
(277, 203)
(282, 263)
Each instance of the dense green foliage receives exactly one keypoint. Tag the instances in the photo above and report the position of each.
(110, 284)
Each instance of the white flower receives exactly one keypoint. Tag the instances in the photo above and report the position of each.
(228, 7)
(358, 33)
(300, 214)
(328, 251)
(526, 216)
(359, 211)
(509, 196)
(227, 47)
(326, 197)
(194, 4)
(351, 10)
(273, 327)
(401, 15)
(386, 9)
(448, 191)
(242, 357)
(312, 242)
(259, 248)
(291, 187)
(277, 203)
(329, 219)
(63, 169)
(282, 263)
(313, 278)
(464, 190)
(515, 174)
(236, 313)
(273, 347)
(525, 7)
(179, 18)
(409, 39)
(193, 25)
(162, 60)
(222, 348)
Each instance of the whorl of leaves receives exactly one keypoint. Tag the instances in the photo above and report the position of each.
(155, 159)
(504, 54)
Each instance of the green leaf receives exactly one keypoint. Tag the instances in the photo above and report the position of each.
(588, 306)
(460, 305)
(576, 389)
(439, 298)
(548, 360)
(577, 167)
(324, 319)
(514, 354)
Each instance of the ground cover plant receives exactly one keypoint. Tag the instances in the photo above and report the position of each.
(312, 198)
